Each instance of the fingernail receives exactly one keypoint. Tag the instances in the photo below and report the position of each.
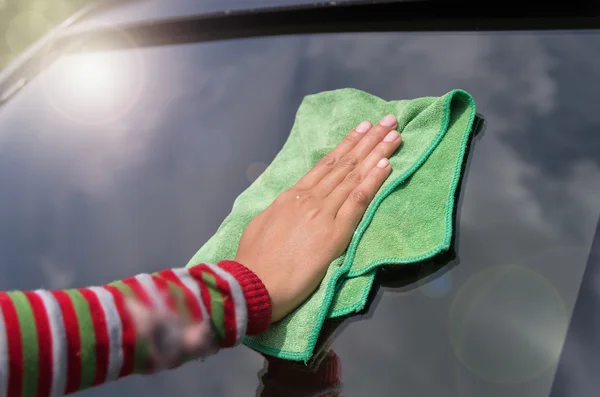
(391, 136)
(388, 121)
(363, 127)
(383, 163)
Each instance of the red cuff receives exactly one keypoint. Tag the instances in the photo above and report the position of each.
(258, 302)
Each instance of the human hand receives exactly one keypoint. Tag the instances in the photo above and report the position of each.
(290, 245)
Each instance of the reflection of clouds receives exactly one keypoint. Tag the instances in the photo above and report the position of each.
(510, 88)
(490, 66)
(150, 197)
(499, 187)
(57, 276)
(566, 210)
(579, 187)
(511, 91)
(563, 131)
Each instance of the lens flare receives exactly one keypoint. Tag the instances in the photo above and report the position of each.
(94, 87)
(507, 324)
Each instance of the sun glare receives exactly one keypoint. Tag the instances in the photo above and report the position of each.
(92, 76)
(95, 87)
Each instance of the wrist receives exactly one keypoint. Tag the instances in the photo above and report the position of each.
(258, 302)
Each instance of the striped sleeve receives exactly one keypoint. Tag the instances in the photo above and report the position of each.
(58, 342)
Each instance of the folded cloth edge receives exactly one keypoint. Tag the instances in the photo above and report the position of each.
(328, 298)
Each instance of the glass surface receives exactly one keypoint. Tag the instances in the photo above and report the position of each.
(117, 163)
(142, 10)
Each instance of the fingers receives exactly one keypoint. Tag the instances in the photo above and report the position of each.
(330, 160)
(353, 209)
(355, 156)
(340, 194)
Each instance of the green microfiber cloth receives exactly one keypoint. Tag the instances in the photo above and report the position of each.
(410, 220)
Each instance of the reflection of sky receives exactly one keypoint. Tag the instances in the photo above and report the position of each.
(145, 9)
(87, 203)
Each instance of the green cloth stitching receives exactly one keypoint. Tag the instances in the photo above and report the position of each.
(409, 221)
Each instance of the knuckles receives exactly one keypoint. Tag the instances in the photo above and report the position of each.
(359, 197)
(355, 177)
(352, 138)
(328, 161)
(348, 162)
(305, 199)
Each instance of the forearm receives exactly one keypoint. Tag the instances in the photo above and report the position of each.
(58, 342)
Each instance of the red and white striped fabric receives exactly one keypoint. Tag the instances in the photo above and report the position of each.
(57, 342)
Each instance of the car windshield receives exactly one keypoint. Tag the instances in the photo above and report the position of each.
(116, 163)
(144, 9)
